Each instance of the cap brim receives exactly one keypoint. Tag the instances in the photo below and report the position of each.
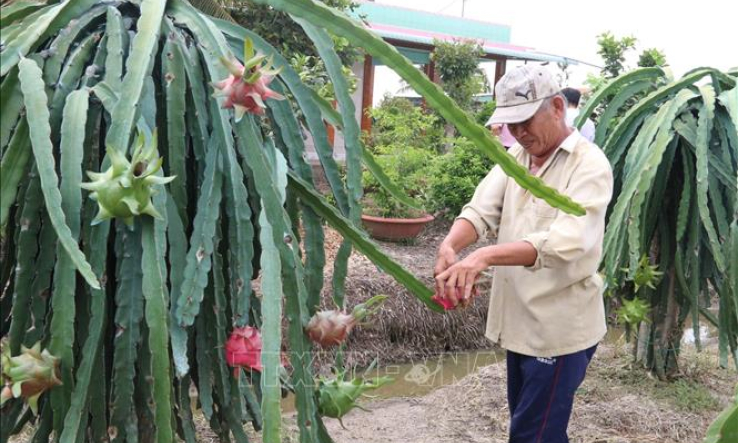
(514, 114)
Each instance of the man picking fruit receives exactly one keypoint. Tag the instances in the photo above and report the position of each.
(546, 306)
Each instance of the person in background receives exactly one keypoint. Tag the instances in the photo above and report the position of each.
(502, 132)
(572, 112)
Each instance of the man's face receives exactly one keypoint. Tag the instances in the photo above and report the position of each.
(541, 133)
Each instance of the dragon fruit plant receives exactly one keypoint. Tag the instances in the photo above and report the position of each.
(331, 328)
(28, 375)
(126, 188)
(135, 289)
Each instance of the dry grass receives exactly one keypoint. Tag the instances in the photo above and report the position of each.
(404, 328)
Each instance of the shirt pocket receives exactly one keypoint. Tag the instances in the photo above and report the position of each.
(541, 215)
(541, 209)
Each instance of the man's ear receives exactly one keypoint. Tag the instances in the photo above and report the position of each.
(559, 105)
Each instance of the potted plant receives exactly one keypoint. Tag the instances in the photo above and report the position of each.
(404, 141)
(385, 217)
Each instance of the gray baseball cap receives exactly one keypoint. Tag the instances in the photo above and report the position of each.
(520, 93)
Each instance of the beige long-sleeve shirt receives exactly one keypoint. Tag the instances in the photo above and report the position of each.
(555, 306)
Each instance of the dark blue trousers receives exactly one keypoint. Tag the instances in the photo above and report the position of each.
(540, 393)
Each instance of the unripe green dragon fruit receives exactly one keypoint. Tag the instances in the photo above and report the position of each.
(336, 397)
(125, 189)
(28, 375)
(633, 312)
(646, 275)
(330, 328)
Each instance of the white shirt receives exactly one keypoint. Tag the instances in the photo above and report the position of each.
(588, 128)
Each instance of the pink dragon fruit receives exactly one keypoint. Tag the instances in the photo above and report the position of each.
(28, 375)
(330, 328)
(243, 349)
(246, 88)
(125, 189)
(447, 304)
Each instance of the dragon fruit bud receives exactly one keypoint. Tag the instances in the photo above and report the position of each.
(247, 86)
(125, 189)
(29, 375)
(243, 349)
(336, 397)
(330, 328)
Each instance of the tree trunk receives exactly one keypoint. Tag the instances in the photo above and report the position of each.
(449, 132)
(666, 334)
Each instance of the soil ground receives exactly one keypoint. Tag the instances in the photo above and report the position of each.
(615, 404)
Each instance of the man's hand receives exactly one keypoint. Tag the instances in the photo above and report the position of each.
(446, 257)
(461, 275)
(461, 235)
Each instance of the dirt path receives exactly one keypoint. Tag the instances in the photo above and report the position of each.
(615, 405)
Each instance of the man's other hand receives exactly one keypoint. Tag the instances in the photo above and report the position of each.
(456, 283)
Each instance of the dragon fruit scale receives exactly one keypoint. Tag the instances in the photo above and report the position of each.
(125, 189)
(28, 375)
(330, 328)
(247, 86)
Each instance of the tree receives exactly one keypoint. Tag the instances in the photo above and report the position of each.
(612, 50)
(651, 57)
(457, 64)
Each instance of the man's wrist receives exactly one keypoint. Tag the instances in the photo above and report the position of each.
(447, 244)
(489, 255)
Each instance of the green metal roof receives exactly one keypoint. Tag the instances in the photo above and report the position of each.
(443, 24)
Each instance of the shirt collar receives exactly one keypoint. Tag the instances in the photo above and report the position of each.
(570, 142)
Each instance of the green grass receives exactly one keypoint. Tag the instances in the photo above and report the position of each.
(687, 395)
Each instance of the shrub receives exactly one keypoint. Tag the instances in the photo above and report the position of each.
(408, 167)
(455, 175)
(485, 112)
(398, 121)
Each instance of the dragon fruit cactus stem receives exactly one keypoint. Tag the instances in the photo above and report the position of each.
(330, 328)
